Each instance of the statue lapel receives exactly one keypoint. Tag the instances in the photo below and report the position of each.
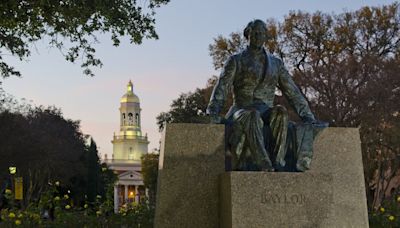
(267, 69)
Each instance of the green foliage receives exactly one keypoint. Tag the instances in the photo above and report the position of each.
(93, 171)
(17, 218)
(56, 150)
(388, 214)
(106, 189)
(137, 215)
(64, 213)
(150, 174)
(54, 147)
(72, 25)
(190, 107)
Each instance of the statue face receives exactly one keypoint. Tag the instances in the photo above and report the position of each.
(257, 35)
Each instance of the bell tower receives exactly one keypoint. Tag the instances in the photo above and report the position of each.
(129, 145)
(130, 112)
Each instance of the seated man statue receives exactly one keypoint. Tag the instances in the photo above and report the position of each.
(257, 131)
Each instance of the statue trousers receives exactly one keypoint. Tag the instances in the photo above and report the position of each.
(257, 137)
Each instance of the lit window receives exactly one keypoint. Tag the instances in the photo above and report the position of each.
(137, 118)
(130, 118)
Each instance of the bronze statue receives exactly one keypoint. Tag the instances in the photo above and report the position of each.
(257, 131)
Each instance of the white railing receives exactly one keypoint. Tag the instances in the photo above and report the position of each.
(119, 137)
(130, 161)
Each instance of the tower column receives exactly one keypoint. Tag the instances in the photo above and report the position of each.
(136, 194)
(126, 193)
(116, 203)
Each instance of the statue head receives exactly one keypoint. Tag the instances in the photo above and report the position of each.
(256, 33)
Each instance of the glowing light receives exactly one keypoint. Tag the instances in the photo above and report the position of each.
(12, 169)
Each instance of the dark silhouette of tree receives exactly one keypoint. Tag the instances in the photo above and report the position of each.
(93, 171)
(150, 174)
(71, 27)
(45, 147)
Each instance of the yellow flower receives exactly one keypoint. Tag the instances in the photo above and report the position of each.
(20, 215)
(98, 213)
(104, 169)
(11, 215)
(8, 191)
(85, 206)
(57, 198)
(66, 196)
(391, 218)
(57, 183)
(67, 207)
(398, 199)
(382, 209)
(98, 196)
(36, 216)
(17, 222)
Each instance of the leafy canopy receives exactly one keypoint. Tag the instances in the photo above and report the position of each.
(150, 174)
(70, 26)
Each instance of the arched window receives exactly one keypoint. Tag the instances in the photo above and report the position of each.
(137, 118)
(130, 119)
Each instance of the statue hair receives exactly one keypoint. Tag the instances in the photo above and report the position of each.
(251, 25)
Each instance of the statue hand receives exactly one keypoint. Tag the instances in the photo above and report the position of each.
(308, 120)
(315, 122)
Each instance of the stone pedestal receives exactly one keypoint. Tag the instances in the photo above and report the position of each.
(195, 191)
(191, 160)
(331, 194)
(257, 199)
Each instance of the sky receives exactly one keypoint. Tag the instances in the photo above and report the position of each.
(160, 70)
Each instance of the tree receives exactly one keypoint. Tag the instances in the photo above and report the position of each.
(93, 171)
(71, 25)
(347, 66)
(150, 174)
(191, 107)
(46, 148)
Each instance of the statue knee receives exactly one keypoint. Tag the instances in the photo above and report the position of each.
(280, 110)
(255, 114)
(255, 117)
(247, 117)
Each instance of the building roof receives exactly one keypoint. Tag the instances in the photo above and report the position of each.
(130, 96)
